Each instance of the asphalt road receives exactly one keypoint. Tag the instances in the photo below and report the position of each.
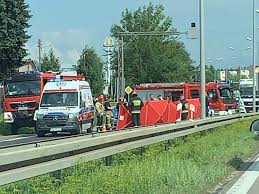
(248, 183)
(16, 140)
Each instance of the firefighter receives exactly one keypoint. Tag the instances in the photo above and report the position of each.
(136, 104)
(152, 97)
(108, 112)
(100, 111)
(159, 97)
(184, 103)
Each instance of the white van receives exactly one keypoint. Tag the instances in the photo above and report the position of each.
(65, 106)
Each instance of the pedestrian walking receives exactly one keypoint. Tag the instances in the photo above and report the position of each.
(136, 104)
(100, 111)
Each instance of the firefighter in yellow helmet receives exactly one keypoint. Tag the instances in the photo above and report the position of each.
(108, 112)
(100, 113)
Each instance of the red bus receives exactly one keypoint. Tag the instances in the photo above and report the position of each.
(221, 94)
(21, 95)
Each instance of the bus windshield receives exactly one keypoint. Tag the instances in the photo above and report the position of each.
(22, 88)
(59, 99)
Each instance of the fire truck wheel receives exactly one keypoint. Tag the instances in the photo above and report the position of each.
(14, 129)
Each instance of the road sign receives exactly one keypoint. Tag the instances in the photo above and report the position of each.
(128, 90)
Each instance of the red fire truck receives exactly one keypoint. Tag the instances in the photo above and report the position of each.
(221, 94)
(21, 95)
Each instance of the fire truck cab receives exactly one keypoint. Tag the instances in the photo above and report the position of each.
(220, 95)
(21, 95)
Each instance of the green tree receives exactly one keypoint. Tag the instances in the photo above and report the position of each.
(235, 78)
(50, 62)
(152, 58)
(14, 17)
(211, 74)
(91, 66)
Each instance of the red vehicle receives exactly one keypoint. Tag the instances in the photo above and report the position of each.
(21, 95)
(221, 94)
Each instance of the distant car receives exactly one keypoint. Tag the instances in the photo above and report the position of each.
(114, 117)
(254, 128)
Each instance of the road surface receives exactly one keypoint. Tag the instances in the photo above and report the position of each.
(248, 183)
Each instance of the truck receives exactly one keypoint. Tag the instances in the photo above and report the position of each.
(246, 93)
(21, 96)
(221, 100)
(65, 106)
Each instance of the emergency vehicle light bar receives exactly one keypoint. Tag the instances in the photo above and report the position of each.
(223, 82)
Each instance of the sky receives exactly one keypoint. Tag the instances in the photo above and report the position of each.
(67, 26)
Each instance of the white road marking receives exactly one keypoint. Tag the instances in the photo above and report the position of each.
(246, 181)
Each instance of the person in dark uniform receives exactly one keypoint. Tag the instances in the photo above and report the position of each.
(184, 103)
(207, 105)
(136, 104)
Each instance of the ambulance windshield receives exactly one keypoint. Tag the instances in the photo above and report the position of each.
(59, 99)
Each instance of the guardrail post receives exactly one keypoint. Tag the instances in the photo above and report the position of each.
(108, 160)
(56, 174)
(168, 144)
(142, 150)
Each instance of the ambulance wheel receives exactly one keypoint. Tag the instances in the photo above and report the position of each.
(92, 128)
(78, 130)
(14, 129)
(40, 133)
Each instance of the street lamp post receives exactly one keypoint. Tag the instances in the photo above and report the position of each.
(254, 76)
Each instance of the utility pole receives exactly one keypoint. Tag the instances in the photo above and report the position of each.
(202, 61)
(122, 67)
(254, 74)
(40, 49)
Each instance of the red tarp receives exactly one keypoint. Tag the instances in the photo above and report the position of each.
(158, 112)
(124, 117)
(194, 108)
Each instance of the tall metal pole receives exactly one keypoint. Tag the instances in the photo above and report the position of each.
(202, 61)
(40, 48)
(122, 67)
(118, 73)
(254, 75)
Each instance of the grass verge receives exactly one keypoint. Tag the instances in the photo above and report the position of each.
(193, 164)
(5, 128)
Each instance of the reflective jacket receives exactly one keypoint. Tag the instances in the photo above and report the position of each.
(136, 104)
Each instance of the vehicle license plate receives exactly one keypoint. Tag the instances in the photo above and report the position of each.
(55, 129)
(22, 108)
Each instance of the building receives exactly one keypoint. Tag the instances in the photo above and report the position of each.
(245, 72)
(28, 65)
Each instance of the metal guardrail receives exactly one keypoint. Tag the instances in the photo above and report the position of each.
(27, 161)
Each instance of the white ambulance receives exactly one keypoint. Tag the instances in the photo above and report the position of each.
(65, 106)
